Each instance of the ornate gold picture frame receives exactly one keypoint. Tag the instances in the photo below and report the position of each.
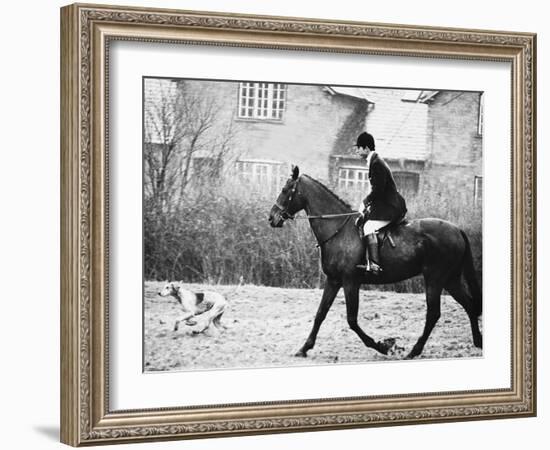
(87, 31)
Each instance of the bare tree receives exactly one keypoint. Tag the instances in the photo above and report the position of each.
(181, 122)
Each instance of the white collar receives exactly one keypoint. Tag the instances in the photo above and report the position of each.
(369, 158)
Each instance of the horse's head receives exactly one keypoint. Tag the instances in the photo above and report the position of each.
(289, 201)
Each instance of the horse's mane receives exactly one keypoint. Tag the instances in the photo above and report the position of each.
(326, 189)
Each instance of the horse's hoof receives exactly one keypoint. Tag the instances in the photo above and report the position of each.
(478, 343)
(386, 345)
(301, 354)
(396, 351)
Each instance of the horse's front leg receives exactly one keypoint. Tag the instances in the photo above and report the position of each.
(351, 290)
(329, 293)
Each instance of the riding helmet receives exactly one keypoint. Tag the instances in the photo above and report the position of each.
(365, 140)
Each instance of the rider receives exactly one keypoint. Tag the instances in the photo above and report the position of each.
(382, 205)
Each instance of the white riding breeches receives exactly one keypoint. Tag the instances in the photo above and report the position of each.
(371, 226)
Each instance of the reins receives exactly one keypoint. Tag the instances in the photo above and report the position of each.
(286, 215)
(323, 242)
(331, 216)
(328, 216)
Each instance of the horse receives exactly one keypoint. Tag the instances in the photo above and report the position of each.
(435, 248)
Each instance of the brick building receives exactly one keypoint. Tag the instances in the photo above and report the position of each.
(432, 140)
(429, 138)
(273, 125)
(455, 143)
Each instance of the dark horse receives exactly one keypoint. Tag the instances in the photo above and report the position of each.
(437, 249)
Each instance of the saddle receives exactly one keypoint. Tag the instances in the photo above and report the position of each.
(384, 233)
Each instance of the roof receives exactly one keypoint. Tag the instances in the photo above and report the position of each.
(370, 94)
(356, 92)
(418, 96)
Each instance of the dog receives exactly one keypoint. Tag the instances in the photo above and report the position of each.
(199, 308)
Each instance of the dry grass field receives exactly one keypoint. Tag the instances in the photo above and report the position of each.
(264, 327)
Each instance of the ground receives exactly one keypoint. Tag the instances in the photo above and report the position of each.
(265, 327)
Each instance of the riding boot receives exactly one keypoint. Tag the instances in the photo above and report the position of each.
(372, 254)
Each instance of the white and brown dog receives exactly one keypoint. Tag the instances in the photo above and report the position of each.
(201, 309)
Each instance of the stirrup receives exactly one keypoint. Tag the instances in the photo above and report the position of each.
(370, 267)
(375, 268)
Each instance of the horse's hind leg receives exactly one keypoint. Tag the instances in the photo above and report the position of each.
(433, 312)
(456, 289)
(329, 293)
(352, 308)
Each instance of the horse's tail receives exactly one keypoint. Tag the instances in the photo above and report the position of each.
(470, 275)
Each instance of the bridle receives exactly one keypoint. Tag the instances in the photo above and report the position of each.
(283, 210)
(285, 215)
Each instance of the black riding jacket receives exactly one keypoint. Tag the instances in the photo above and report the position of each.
(384, 202)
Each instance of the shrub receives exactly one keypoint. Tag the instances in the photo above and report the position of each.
(219, 233)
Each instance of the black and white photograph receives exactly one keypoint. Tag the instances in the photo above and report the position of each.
(300, 224)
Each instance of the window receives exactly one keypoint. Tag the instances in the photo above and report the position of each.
(478, 191)
(407, 182)
(356, 178)
(268, 173)
(264, 101)
(480, 116)
(352, 178)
